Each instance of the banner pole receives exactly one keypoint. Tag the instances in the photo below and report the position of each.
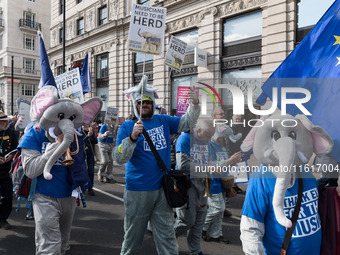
(142, 92)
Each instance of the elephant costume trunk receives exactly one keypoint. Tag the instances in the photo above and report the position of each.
(67, 128)
(285, 177)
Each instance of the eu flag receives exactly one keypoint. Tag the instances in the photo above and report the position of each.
(315, 66)
(85, 76)
(46, 72)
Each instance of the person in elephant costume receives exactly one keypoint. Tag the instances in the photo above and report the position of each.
(42, 150)
(283, 144)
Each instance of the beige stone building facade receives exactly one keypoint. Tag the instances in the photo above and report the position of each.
(19, 23)
(245, 40)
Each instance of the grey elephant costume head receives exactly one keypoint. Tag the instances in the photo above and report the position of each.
(134, 94)
(61, 116)
(284, 140)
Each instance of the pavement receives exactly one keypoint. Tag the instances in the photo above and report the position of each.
(98, 229)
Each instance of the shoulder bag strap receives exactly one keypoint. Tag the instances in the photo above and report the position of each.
(160, 162)
(295, 216)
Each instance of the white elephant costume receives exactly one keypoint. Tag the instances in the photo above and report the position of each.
(282, 145)
(42, 157)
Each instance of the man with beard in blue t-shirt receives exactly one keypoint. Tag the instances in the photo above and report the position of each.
(144, 197)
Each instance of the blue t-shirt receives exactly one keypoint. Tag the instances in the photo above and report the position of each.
(109, 138)
(306, 238)
(58, 186)
(142, 170)
(218, 153)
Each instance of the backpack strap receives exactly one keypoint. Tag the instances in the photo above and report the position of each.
(295, 216)
(160, 162)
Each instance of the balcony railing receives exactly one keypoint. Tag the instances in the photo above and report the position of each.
(29, 24)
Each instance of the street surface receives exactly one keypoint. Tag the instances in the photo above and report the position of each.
(98, 229)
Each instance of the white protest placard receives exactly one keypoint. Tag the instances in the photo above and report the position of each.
(175, 54)
(201, 57)
(240, 172)
(111, 118)
(69, 85)
(146, 34)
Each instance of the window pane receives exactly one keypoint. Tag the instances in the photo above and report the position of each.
(310, 11)
(190, 37)
(102, 15)
(80, 26)
(140, 58)
(242, 27)
(102, 66)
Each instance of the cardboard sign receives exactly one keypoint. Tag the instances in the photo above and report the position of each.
(146, 34)
(111, 118)
(201, 57)
(175, 54)
(69, 85)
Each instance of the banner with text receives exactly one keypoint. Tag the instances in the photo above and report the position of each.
(111, 118)
(175, 54)
(183, 100)
(146, 34)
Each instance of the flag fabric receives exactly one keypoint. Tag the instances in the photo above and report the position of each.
(46, 72)
(1, 106)
(315, 66)
(85, 76)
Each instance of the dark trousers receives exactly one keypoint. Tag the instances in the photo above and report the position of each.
(90, 167)
(6, 191)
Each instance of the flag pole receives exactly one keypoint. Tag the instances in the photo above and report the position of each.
(64, 33)
(142, 91)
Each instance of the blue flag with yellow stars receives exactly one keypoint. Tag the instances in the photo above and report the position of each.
(313, 65)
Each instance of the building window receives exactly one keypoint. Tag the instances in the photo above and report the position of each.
(61, 6)
(305, 19)
(138, 66)
(31, 0)
(2, 90)
(29, 65)
(144, 2)
(80, 26)
(79, 1)
(190, 37)
(29, 20)
(60, 70)
(61, 33)
(102, 64)
(102, 15)
(28, 90)
(29, 42)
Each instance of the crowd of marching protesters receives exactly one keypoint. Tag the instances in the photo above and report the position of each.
(188, 140)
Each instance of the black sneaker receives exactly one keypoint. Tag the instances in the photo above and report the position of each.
(5, 225)
(220, 239)
(90, 192)
(227, 213)
(29, 217)
(204, 235)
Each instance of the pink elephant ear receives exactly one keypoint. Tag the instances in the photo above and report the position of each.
(248, 141)
(322, 142)
(91, 109)
(221, 128)
(45, 97)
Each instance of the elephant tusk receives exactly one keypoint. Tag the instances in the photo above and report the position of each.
(51, 132)
(302, 157)
(268, 153)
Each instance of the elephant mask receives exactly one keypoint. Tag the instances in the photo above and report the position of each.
(286, 141)
(61, 116)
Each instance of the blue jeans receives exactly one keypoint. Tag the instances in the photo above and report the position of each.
(140, 207)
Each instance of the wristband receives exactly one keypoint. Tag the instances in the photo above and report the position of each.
(132, 140)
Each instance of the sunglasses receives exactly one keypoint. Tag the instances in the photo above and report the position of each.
(145, 102)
